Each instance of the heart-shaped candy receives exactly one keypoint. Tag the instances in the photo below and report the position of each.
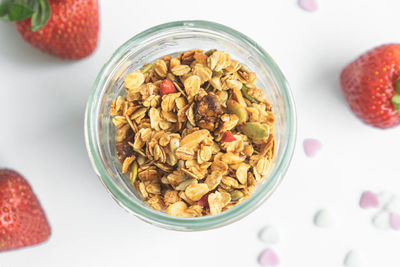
(269, 235)
(395, 221)
(308, 5)
(381, 220)
(352, 259)
(323, 218)
(268, 258)
(311, 147)
(393, 205)
(369, 200)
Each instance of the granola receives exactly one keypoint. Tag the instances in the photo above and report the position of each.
(194, 133)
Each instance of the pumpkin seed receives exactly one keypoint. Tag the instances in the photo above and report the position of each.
(134, 172)
(246, 94)
(217, 73)
(235, 108)
(147, 67)
(236, 195)
(255, 131)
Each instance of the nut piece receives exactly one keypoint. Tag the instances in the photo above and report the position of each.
(195, 191)
(255, 131)
(209, 106)
(235, 108)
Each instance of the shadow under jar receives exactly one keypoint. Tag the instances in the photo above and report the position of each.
(171, 39)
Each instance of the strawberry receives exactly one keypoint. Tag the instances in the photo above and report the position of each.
(371, 86)
(67, 29)
(227, 137)
(22, 219)
(167, 87)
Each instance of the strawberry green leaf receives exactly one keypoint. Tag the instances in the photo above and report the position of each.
(14, 10)
(19, 12)
(41, 15)
(396, 102)
(4, 7)
(398, 85)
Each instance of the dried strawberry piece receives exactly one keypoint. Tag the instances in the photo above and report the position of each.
(227, 137)
(167, 87)
(203, 202)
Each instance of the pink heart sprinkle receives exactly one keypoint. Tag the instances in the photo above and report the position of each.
(311, 147)
(308, 5)
(395, 221)
(369, 200)
(268, 258)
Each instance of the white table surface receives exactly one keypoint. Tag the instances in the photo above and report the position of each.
(42, 101)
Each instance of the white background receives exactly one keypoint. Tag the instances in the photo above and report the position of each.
(42, 101)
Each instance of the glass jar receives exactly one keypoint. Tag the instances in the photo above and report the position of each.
(172, 38)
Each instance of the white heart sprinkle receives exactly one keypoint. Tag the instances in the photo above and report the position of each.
(381, 220)
(269, 235)
(352, 259)
(385, 198)
(393, 205)
(323, 218)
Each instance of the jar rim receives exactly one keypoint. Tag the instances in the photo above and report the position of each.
(205, 222)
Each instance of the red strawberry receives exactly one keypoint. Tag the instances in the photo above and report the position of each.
(65, 28)
(371, 85)
(22, 219)
(227, 137)
(167, 87)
